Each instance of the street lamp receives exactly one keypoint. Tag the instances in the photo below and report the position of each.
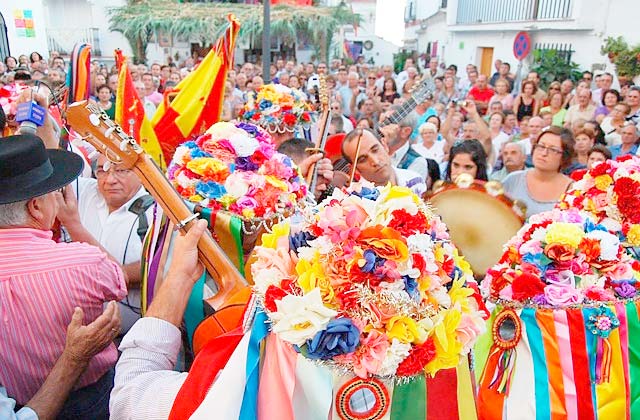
(266, 41)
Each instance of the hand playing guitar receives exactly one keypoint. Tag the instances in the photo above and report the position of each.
(324, 168)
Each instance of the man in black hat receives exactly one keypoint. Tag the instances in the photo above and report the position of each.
(41, 281)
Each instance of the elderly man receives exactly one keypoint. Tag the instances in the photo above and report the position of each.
(116, 210)
(583, 110)
(481, 93)
(535, 126)
(374, 163)
(629, 145)
(398, 140)
(513, 157)
(41, 281)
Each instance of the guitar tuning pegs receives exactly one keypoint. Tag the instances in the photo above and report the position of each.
(109, 131)
(123, 146)
(94, 120)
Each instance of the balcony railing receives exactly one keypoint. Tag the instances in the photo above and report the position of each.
(63, 40)
(495, 11)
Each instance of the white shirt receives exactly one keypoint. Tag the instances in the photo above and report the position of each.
(418, 165)
(435, 152)
(499, 140)
(526, 143)
(411, 180)
(7, 406)
(116, 232)
(145, 385)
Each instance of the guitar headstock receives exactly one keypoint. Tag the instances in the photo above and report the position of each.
(423, 90)
(323, 93)
(90, 122)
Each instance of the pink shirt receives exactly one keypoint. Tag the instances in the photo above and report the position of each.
(41, 281)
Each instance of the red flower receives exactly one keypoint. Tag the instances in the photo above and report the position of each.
(598, 170)
(559, 252)
(347, 297)
(623, 158)
(306, 117)
(590, 248)
(407, 224)
(273, 294)
(525, 286)
(290, 286)
(289, 119)
(418, 262)
(256, 117)
(628, 191)
(285, 108)
(417, 359)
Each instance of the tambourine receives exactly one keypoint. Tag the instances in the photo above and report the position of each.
(480, 218)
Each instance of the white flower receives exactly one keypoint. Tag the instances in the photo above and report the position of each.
(405, 268)
(244, 144)
(539, 234)
(267, 277)
(441, 296)
(322, 245)
(184, 181)
(224, 130)
(180, 153)
(612, 225)
(609, 244)
(396, 353)
(236, 185)
(299, 318)
(419, 243)
(588, 280)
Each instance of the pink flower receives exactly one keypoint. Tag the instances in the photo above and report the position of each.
(599, 294)
(271, 266)
(562, 295)
(367, 359)
(470, 327)
(620, 271)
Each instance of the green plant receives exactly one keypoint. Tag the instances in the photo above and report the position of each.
(552, 65)
(400, 58)
(625, 57)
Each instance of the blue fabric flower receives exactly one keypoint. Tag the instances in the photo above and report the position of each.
(196, 153)
(602, 321)
(249, 128)
(264, 104)
(244, 163)
(589, 226)
(367, 193)
(210, 189)
(370, 261)
(340, 337)
(300, 239)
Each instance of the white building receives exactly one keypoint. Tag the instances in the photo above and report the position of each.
(481, 31)
(22, 28)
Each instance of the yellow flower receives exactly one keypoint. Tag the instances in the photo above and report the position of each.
(248, 213)
(448, 348)
(395, 192)
(280, 230)
(311, 276)
(460, 295)
(278, 183)
(226, 200)
(565, 234)
(461, 263)
(633, 236)
(196, 198)
(603, 182)
(405, 330)
(204, 166)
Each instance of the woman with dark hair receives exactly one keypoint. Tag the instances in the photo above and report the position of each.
(11, 63)
(541, 187)
(525, 104)
(35, 57)
(598, 154)
(610, 98)
(390, 91)
(467, 157)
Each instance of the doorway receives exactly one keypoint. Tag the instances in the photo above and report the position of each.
(486, 61)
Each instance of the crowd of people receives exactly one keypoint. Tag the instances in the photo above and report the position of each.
(491, 127)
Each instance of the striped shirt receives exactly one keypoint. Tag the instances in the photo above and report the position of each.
(41, 281)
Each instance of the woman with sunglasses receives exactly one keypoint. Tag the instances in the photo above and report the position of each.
(540, 187)
(554, 87)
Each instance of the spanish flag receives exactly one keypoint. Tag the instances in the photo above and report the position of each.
(130, 113)
(198, 102)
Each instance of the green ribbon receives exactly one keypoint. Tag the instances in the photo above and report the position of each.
(235, 226)
(633, 326)
(410, 400)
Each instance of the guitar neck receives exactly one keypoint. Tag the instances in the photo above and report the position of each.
(214, 259)
(405, 109)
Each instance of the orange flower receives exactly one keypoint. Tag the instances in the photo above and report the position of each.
(559, 252)
(386, 242)
(590, 248)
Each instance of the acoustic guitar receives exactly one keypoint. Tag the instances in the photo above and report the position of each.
(122, 150)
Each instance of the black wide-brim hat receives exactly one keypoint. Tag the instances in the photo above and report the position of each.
(28, 169)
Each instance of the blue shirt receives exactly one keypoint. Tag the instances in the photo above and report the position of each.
(617, 151)
(421, 120)
(7, 406)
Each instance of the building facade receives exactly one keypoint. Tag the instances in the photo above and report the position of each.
(481, 31)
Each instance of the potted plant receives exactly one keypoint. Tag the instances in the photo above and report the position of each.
(625, 57)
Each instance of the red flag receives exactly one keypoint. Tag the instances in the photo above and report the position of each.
(200, 95)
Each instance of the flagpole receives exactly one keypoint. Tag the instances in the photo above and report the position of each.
(266, 41)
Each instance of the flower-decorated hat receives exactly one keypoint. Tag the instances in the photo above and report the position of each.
(610, 191)
(234, 167)
(278, 109)
(370, 286)
(563, 258)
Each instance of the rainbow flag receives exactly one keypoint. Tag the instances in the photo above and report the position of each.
(78, 74)
(130, 113)
(199, 99)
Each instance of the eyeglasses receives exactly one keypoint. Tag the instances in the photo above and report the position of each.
(554, 88)
(118, 173)
(549, 149)
(371, 78)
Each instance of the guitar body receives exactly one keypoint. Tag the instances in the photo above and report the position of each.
(122, 150)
